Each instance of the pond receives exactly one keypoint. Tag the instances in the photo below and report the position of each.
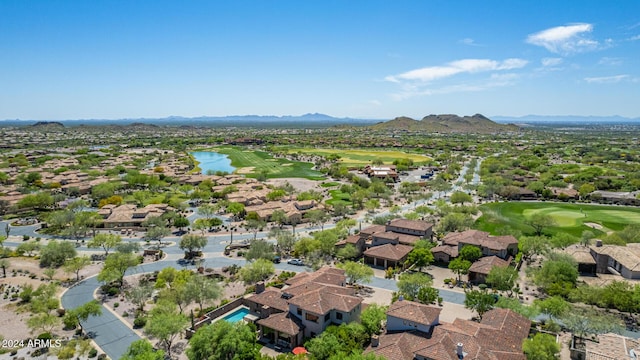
(213, 161)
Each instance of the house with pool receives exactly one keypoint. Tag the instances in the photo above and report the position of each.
(304, 308)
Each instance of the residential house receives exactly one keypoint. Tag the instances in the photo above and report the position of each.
(480, 269)
(582, 255)
(617, 260)
(413, 332)
(387, 255)
(500, 246)
(607, 347)
(130, 215)
(305, 307)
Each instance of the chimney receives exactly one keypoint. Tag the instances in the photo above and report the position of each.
(598, 243)
(460, 350)
(375, 340)
(259, 287)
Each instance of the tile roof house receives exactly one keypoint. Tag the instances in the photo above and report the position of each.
(387, 255)
(607, 347)
(480, 269)
(618, 260)
(500, 246)
(130, 215)
(304, 308)
(413, 332)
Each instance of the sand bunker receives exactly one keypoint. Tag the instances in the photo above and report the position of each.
(245, 170)
(594, 225)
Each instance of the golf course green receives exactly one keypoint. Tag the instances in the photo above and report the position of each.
(569, 218)
(252, 163)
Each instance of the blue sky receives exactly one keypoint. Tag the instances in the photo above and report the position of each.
(353, 58)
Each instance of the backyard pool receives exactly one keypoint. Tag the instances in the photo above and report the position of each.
(236, 315)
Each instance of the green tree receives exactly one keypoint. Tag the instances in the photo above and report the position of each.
(44, 322)
(558, 274)
(372, 317)
(285, 241)
(255, 226)
(138, 295)
(192, 242)
(142, 350)
(460, 267)
(554, 306)
(356, 272)
(539, 222)
(55, 253)
(181, 222)
(156, 233)
(74, 317)
(28, 248)
(105, 241)
(203, 290)
(470, 253)
(428, 295)
(532, 245)
(317, 217)
(256, 271)
(460, 197)
(502, 278)
(454, 222)
(115, 266)
(347, 252)
(223, 341)
(76, 264)
(541, 347)
(420, 257)
(260, 249)
(207, 210)
(409, 284)
(165, 323)
(279, 216)
(479, 301)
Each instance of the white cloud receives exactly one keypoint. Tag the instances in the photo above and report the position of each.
(375, 102)
(548, 62)
(432, 73)
(635, 38)
(469, 42)
(612, 61)
(565, 40)
(494, 81)
(606, 79)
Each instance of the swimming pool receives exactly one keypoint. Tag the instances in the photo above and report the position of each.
(237, 315)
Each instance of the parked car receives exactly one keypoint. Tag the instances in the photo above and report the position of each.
(295, 262)
(276, 259)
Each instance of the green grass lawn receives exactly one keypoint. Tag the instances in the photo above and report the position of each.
(570, 218)
(253, 162)
(338, 197)
(358, 157)
(330, 184)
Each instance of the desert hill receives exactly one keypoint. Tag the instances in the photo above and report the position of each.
(446, 123)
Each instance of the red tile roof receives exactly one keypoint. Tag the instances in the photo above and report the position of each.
(414, 311)
(389, 252)
(485, 264)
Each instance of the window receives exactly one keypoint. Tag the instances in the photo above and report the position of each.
(327, 317)
(311, 317)
(299, 311)
(339, 315)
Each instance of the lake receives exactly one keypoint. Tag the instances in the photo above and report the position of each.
(210, 160)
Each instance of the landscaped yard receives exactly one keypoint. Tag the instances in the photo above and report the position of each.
(253, 162)
(357, 157)
(570, 218)
(338, 197)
